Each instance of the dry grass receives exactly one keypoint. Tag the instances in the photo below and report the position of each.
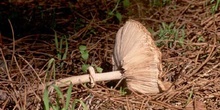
(192, 68)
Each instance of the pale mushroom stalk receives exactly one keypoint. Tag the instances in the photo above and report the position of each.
(92, 77)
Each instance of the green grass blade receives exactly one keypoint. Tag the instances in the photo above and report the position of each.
(56, 40)
(50, 65)
(55, 108)
(68, 97)
(54, 70)
(59, 93)
(81, 102)
(190, 96)
(73, 105)
(46, 100)
(66, 50)
(50, 62)
(57, 45)
(58, 104)
(61, 47)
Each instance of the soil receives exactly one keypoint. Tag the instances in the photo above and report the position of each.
(186, 32)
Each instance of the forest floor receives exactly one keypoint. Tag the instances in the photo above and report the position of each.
(186, 32)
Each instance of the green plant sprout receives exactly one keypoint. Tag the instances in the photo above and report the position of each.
(98, 69)
(190, 96)
(122, 91)
(46, 99)
(62, 102)
(126, 3)
(201, 39)
(115, 12)
(85, 56)
(215, 6)
(59, 48)
(81, 102)
(51, 69)
(171, 34)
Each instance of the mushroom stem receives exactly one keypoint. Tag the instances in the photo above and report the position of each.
(88, 78)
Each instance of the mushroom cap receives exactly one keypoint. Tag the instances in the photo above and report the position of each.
(136, 53)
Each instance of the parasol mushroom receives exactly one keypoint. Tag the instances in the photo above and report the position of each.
(135, 57)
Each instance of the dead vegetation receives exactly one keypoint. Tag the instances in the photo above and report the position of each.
(191, 64)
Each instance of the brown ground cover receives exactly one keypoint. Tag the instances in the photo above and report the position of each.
(187, 33)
